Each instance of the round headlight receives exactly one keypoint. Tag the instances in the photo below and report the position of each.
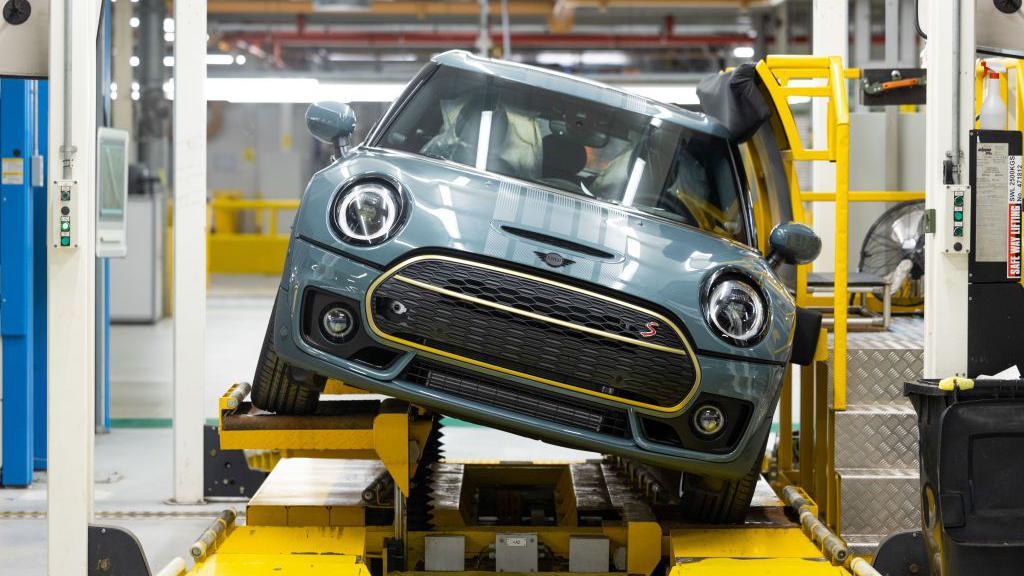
(736, 311)
(367, 212)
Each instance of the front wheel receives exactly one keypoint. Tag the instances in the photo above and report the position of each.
(716, 500)
(278, 387)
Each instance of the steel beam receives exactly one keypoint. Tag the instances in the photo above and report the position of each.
(830, 22)
(189, 247)
(950, 111)
(71, 287)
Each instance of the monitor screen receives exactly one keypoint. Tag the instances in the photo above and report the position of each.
(113, 156)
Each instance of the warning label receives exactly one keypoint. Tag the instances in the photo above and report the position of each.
(12, 171)
(1013, 209)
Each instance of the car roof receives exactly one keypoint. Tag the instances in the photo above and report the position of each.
(581, 87)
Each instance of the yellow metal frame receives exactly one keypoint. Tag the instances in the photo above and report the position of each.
(394, 273)
(778, 74)
(231, 251)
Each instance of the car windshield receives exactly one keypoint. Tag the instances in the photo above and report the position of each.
(580, 146)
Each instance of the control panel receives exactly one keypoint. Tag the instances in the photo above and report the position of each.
(957, 229)
(65, 217)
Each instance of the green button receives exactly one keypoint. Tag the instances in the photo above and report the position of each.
(958, 231)
(958, 216)
(65, 226)
(65, 241)
(958, 201)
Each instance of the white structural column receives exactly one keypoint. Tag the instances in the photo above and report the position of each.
(120, 55)
(189, 247)
(830, 19)
(71, 288)
(945, 301)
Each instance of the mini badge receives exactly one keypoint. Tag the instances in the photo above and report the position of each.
(554, 259)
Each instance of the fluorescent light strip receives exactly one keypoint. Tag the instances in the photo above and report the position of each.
(306, 90)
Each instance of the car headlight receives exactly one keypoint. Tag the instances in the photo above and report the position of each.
(368, 211)
(735, 309)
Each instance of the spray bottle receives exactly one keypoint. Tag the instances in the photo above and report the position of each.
(993, 109)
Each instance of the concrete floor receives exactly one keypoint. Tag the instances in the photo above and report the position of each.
(133, 465)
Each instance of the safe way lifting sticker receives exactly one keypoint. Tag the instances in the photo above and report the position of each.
(1013, 206)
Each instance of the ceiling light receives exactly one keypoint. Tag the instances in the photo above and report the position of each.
(219, 59)
(168, 24)
(299, 90)
(605, 58)
(134, 22)
(743, 52)
(133, 61)
(240, 59)
(563, 59)
(670, 93)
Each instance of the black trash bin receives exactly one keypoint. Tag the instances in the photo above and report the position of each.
(972, 476)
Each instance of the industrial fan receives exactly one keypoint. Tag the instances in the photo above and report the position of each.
(894, 249)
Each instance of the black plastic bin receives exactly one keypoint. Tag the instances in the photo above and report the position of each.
(972, 476)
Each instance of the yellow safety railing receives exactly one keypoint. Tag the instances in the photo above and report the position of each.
(779, 74)
(232, 251)
(825, 78)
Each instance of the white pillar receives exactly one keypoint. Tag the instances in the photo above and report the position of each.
(121, 51)
(71, 291)
(189, 247)
(830, 20)
(945, 301)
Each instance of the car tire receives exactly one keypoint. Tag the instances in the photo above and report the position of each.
(716, 500)
(275, 387)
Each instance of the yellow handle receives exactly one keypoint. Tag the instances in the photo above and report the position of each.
(954, 382)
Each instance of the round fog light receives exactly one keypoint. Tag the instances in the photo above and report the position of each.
(709, 420)
(336, 322)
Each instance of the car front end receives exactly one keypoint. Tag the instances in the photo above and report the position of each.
(627, 317)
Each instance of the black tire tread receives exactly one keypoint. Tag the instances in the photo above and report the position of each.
(273, 388)
(717, 500)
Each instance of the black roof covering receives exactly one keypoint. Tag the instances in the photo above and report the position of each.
(736, 99)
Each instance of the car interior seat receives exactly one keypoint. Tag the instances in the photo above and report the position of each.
(564, 158)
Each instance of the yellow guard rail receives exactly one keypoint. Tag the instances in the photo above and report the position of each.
(234, 252)
(778, 74)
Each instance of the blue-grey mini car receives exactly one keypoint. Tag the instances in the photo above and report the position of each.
(545, 255)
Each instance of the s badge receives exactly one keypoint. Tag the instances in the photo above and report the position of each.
(650, 330)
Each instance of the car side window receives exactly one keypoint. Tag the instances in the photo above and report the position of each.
(701, 186)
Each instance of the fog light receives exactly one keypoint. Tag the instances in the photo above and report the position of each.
(337, 323)
(709, 420)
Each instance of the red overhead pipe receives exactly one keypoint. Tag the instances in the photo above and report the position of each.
(451, 39)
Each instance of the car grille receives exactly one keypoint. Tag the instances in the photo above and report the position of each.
(534, 328)
(520, 399)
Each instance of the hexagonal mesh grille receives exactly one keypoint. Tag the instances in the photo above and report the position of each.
(533, 346)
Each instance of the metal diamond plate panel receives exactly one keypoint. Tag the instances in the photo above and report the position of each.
(905, 332)
(863, 544)
(876, 437)
(878, 501)
(876, 375)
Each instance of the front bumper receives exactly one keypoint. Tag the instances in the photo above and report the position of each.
(754, 385)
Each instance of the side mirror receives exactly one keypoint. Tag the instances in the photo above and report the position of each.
(331, 122)
(793, 243)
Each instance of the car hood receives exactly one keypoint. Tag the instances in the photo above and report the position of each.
(457, 208)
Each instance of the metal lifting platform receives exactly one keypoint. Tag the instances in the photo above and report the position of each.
(362, 488)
